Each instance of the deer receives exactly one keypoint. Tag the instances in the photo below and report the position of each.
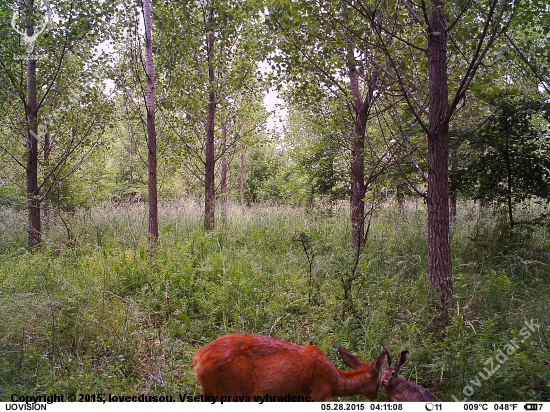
(255, 367)
(399, 389)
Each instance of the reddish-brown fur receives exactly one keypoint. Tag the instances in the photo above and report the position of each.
(399, 389)
(254, 365)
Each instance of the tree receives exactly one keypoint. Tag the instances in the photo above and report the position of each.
(243, 123)
(323, 49)
(59, 74)
(507, 160)
(151, 130)
(210, 25)
(413, 60)
(31, 106)
(439, 116)
(216, 69)
(315, 146)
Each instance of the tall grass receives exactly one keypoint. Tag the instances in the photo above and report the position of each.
(97, 315)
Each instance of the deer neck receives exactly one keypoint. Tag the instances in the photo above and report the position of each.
(355, 382)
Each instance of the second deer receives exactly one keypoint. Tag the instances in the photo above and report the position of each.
(399, 389)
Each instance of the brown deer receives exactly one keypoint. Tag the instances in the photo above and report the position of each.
(254, 366)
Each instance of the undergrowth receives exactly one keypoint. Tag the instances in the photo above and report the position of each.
(97, 315)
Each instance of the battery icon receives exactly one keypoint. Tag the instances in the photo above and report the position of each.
(531, 407)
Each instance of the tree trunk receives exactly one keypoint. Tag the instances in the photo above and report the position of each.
(509, 186)
(440, 263)
(33, 189)
(151, 131)
(361, 107)
(131, 148)
(47, 151)
(454, 168)
(358, 188)
(224, 187)
(223, 181)
(243, 179)
(210, 163)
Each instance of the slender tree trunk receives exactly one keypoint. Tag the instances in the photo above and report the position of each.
(47, 151)
(188, 183)
(131, 148)
(358, 188)
(242, 175)
(33, 188)
(224, 187)
(210, 164)
(361, 106)
(151, 130)
(440, 262)
(454, 168)
(509, 187)
(224, 172)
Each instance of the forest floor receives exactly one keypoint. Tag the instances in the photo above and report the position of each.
(92, 313)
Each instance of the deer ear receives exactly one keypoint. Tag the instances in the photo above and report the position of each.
(376, 366)
(401, 361)
(350, 359)
(387, 355)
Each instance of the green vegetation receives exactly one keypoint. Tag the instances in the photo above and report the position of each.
(392, 108)
(99, 316)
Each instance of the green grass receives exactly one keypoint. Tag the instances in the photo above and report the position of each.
(98, 316)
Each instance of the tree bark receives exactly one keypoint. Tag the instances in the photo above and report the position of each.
(361, 106)
(210, 162)
(440, 261)
(47, 151)
(242, 175)
(454, 167)
(33, 189)
(509, 186)
(151, 130)
(358, 188)
(223, 180)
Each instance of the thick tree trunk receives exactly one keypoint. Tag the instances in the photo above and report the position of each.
(33, 188)
(210, 163)
(440, 262)
(151, 130)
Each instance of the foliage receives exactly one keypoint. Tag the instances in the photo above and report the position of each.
(318, 155)
(269, 179)
(506, 160)
(183, 68)
(528, 40)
